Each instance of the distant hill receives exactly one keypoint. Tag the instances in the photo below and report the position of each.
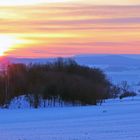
(25, 60)
(119, 60)
(110, 60)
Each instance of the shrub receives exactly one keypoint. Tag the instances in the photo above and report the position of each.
(63, 80)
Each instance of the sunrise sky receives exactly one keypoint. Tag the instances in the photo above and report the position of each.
(52, 28)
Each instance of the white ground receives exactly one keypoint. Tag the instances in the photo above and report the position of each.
(114, 120)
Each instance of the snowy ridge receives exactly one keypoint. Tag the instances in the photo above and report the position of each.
(22, 102)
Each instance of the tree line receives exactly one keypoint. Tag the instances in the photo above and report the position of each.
(60, 81)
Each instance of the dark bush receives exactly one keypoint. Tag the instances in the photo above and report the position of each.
(128, 94)
(61, 81)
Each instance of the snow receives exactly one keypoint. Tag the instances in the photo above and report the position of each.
(114, 120)
(22, 102)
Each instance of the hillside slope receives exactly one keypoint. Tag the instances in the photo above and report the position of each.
(114, 120)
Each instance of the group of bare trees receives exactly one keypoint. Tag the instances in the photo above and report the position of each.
(61, 81)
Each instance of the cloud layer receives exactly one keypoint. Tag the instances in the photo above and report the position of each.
(66, 29)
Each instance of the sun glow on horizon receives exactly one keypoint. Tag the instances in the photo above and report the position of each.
(57, 28)
(6, 43)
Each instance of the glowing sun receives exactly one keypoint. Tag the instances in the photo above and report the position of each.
(6, 42)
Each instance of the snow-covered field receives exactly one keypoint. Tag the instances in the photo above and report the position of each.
(114, 120)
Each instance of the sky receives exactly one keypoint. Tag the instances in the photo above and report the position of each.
(61, 28)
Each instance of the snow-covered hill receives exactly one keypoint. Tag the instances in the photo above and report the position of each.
(114, 120)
